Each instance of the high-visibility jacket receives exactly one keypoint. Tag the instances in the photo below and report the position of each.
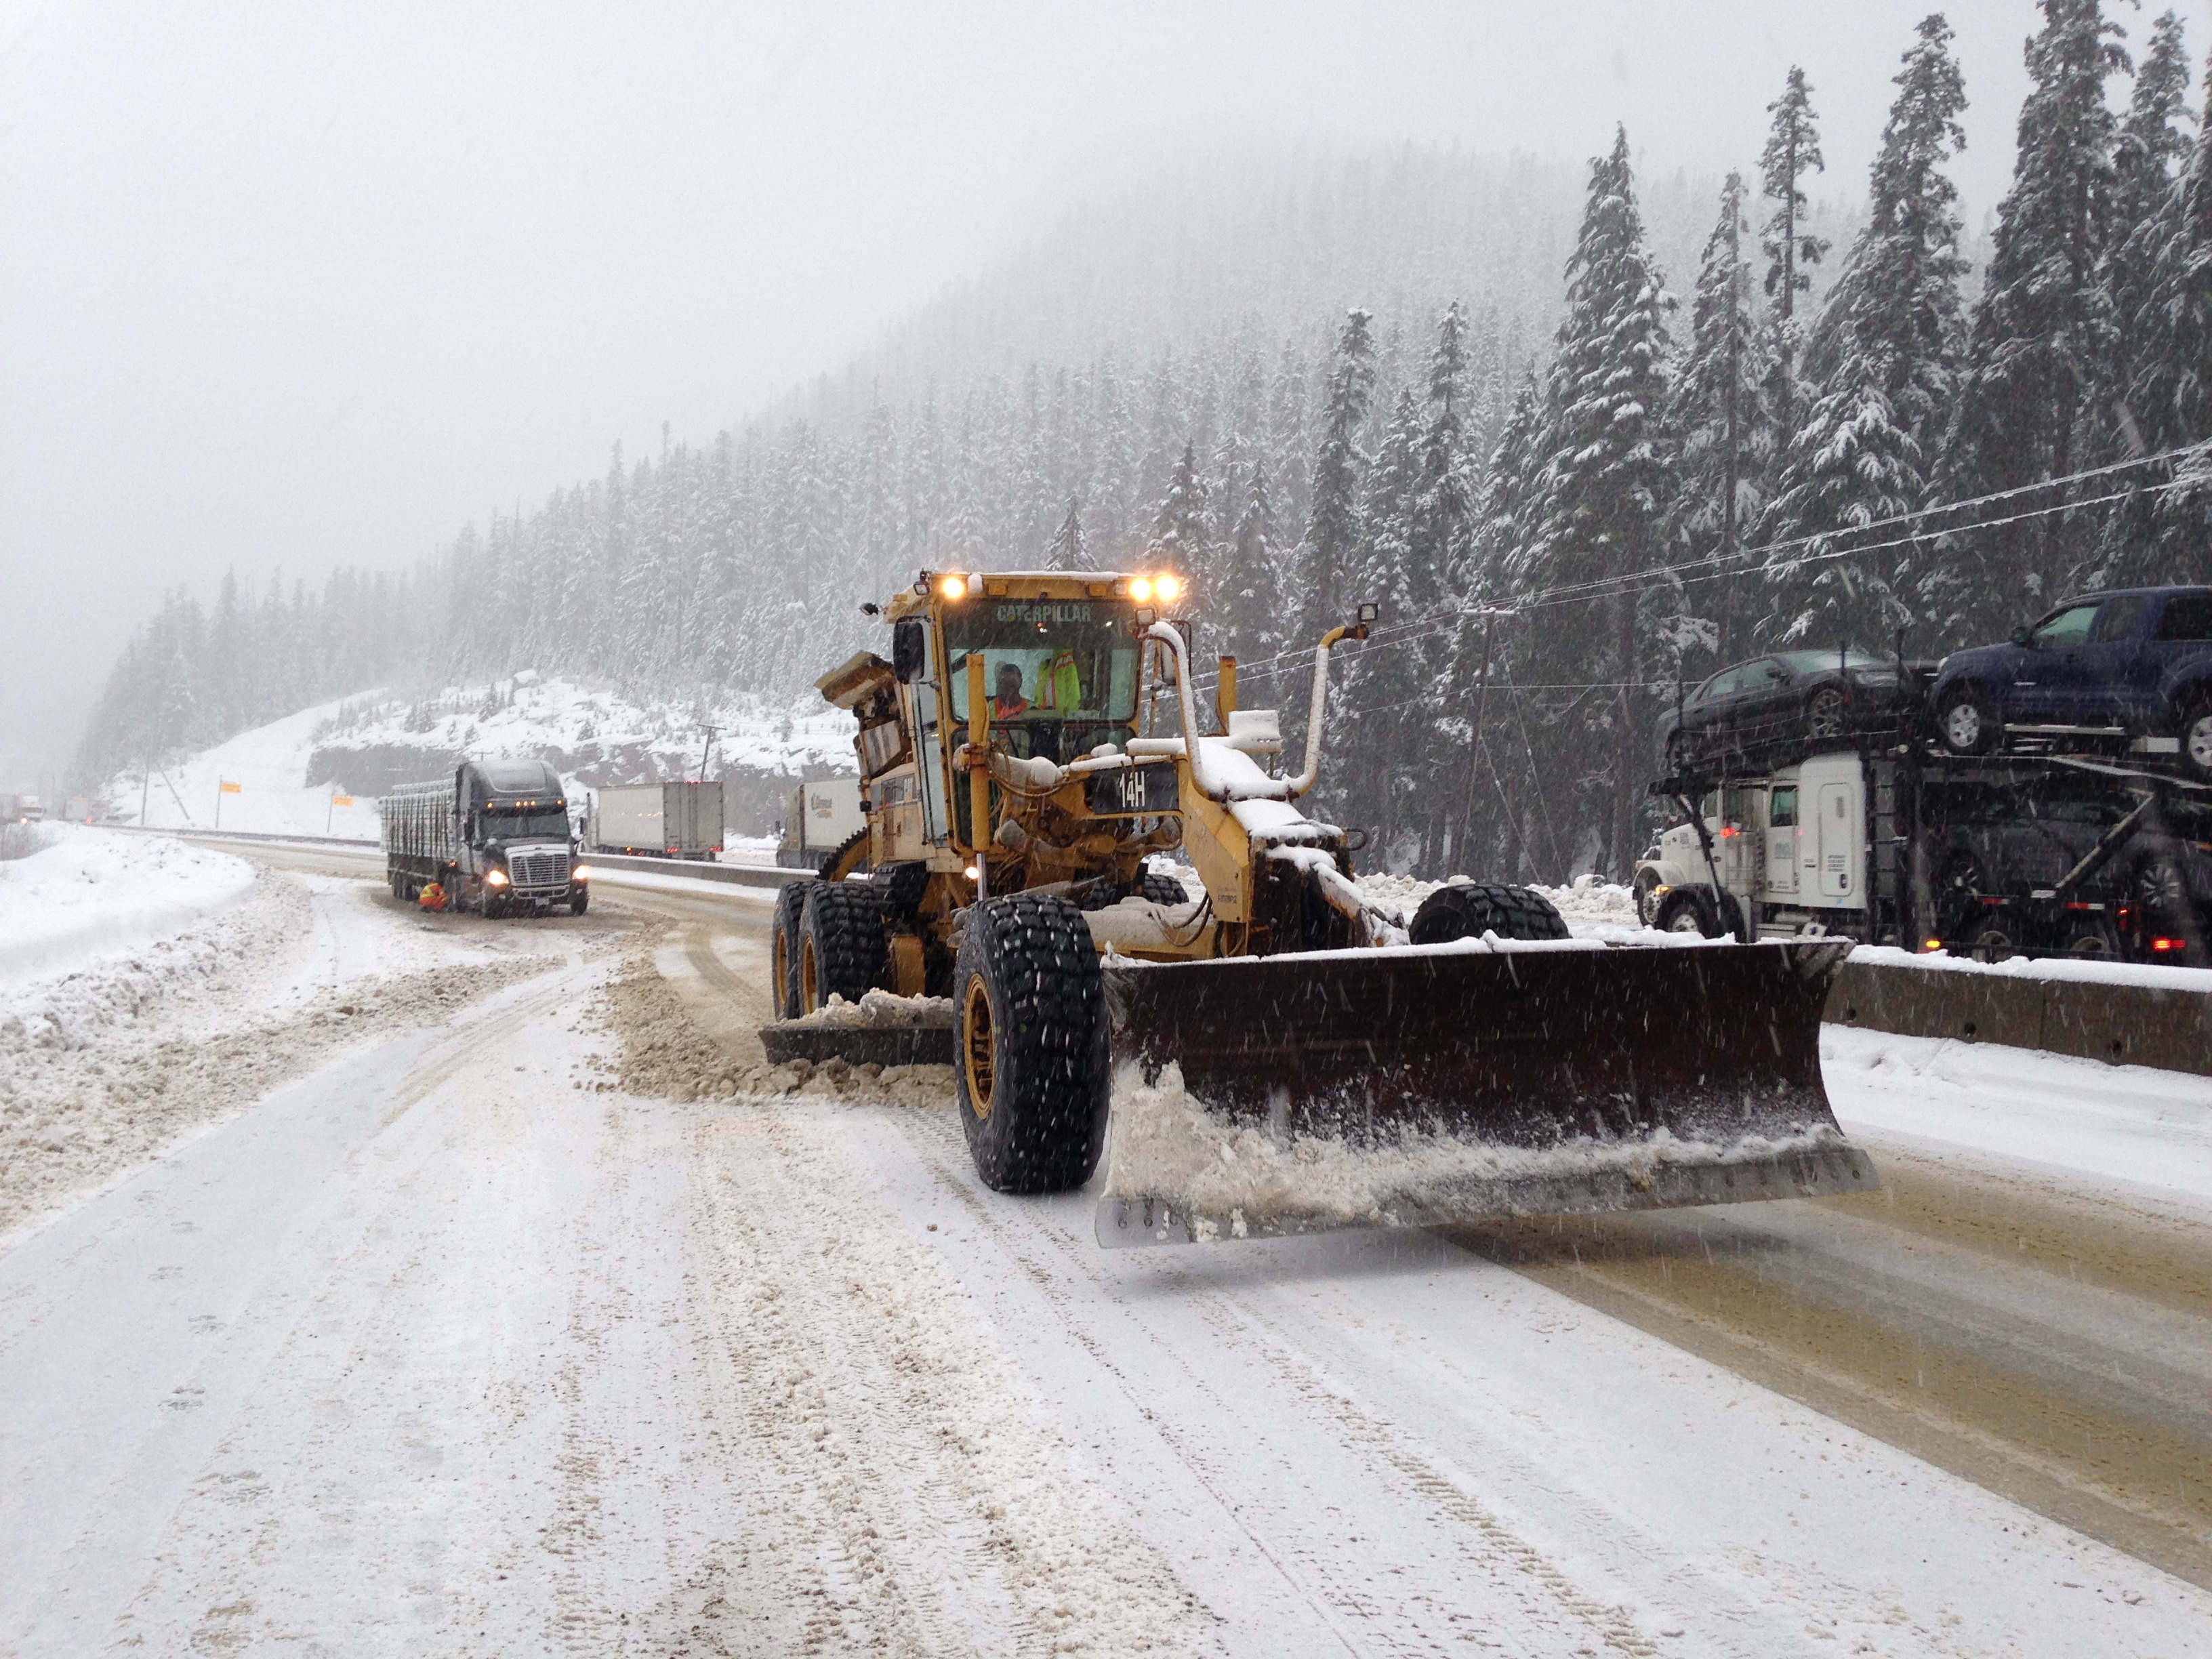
(1061, 685)
(432, 898)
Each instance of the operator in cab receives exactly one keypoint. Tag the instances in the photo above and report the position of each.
(1008, 703)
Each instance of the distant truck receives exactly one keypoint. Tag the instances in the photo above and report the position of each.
(658, 820)
(495, 836)
(824, 815)
(29, 809)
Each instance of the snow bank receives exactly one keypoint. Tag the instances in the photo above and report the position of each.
(95, 895)
(2088, 971)
(2125, 1123)
(1586, 902)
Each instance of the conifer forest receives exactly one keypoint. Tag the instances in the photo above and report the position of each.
(1583, 439)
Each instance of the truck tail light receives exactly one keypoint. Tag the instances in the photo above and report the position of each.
(2169, 944)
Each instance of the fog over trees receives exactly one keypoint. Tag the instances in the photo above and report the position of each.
(1466, 390)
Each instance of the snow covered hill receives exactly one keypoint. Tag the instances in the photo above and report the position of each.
(318, 772)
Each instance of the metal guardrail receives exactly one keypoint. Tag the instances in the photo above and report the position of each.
(354, 841)
(739, 875)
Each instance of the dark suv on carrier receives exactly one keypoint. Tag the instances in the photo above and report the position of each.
(2134, 665)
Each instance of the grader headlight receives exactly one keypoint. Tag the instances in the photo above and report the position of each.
(1168, 588)
(953, 587)
(1141, 588)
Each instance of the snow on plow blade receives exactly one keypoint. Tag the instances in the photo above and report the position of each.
(1420, 1087)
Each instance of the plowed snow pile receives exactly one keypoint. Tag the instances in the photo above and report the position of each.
(1588, 903)
(103, 1067)
(664, 1054)
(93, 895)
(1163, 1143)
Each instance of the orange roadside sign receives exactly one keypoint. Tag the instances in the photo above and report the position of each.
(340, 801)
(232, 789)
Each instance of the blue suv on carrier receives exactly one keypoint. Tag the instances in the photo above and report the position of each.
(2135, 665)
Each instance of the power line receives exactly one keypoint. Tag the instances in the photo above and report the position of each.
(1708, 569)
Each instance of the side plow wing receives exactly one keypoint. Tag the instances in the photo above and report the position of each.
(1425, 1086)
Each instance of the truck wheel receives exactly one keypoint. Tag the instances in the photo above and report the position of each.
(1992, 941)
(1035, 1063)
(783, 947)
(1968, 724)
(2196, 738)
(840, 945)
(1692, 910)
(579, 901)
(2093, 939)
(1470, 909)
(1647, 906)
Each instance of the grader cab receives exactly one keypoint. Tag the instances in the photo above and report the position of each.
(1034, 740)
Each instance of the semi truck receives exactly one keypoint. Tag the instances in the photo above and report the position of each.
(824, 815)
(680, 820)
(1899, 844)
(494, 836)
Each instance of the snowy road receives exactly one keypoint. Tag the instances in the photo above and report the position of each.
(434, 1352)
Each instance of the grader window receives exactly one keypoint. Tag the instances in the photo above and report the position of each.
(1061, 674)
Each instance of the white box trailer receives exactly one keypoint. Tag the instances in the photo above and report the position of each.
(679, 820)
(825, 813)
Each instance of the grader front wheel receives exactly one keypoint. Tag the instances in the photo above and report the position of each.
(1035, 1063)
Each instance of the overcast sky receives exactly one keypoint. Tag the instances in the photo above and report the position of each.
(302, 285)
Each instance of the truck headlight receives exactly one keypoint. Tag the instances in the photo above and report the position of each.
(495, 877)
(581, 873)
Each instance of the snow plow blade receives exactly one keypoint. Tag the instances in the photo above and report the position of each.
(1424, 1087)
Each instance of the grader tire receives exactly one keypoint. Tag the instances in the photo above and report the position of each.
(1470, 909)
(840, 945)
(1160, 889)
(783, 947)
(1034, 1066)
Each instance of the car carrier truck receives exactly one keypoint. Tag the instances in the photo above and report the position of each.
(681, 820)
(495, 836)
(1901, 845)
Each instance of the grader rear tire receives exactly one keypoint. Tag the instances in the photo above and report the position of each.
(783, 948)
(1034, 1067)
(840, 945)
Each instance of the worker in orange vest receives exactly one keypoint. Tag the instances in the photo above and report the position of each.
(432, 898)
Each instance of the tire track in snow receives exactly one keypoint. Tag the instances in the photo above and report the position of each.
(907, 1396)
(1335, 1587)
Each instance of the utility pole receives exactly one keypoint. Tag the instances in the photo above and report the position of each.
(708, 750)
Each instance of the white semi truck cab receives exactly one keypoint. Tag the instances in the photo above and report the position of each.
(1791, 851)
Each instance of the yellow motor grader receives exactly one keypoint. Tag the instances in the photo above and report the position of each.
(1034, 739)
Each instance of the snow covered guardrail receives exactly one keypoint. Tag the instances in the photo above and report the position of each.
(2120, 1012)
